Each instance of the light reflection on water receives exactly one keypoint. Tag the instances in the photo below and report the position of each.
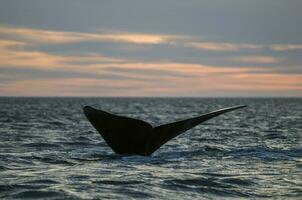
(49, 150)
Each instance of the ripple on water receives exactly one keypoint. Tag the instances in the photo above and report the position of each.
(205, 186)
(273, 136)
(238, 181)
(41, 194)
(42, 182)
(52, 160)
(120, 183)
(41, 145)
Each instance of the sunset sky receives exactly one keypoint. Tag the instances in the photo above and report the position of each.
(210, 48)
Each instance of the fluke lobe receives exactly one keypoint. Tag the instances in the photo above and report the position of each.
(136, 137)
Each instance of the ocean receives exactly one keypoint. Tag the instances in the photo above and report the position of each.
(49, 150)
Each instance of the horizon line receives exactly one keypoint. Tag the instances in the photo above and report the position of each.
(151, 97)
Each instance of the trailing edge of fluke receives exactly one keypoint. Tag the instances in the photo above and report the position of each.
(136, 137)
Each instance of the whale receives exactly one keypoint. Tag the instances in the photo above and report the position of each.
(129, 136)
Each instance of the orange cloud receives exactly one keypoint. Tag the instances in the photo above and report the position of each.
(254, 59)
(32, 36)
(188, 68)
(164, 86)
(7, 44)
(138, 78)
(60, 37)
(212, 46)
(286, 47)
(221, 46)
(96, 63)
(269, 82)
(124, 77)
(12, 53)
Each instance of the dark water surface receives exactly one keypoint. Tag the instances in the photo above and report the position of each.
(49, 150)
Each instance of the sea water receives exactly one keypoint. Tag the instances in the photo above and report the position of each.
(49, 150)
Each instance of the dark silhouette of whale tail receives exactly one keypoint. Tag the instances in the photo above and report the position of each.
(135, 137)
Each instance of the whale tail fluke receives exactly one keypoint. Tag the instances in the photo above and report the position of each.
(124, 135)
(163, 133)
(135, 137)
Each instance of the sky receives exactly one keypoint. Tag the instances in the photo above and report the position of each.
(161, 48)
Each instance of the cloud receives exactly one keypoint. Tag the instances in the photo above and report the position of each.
(27, 69)
(286, 47)
(9, 44)
(224, 46)
(221, 46)
(239, 84)
(40, 36)
(32, 72)
(13, 53)
(152, 72)
(254, 59)
(95, 63)
(10, 74)
(60, 37)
